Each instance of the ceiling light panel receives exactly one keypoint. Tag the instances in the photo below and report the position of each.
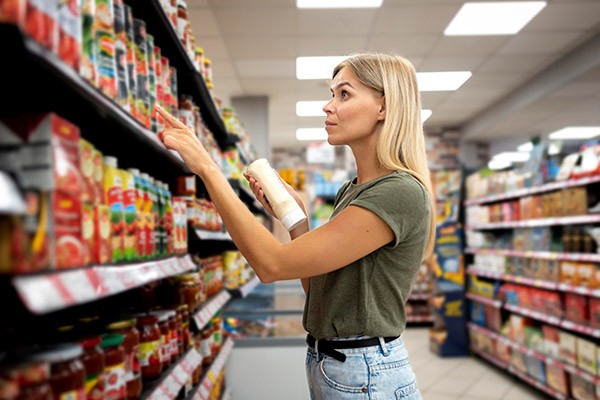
(425, 114)
(338, 3)
(511, 156)
(317, 67)
(493, 18)
(442, 81)
(310, 108)
(575, 133)
(311, 134)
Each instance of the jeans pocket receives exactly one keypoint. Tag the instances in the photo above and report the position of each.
(350, 376)
(409, 392)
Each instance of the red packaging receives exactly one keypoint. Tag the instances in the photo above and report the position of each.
(68, 241)
(576, 308)
(41, 21)
(160, 92)
(13, 12)
(102, 249)
(595, 312)
(69, 32)
(87, 171)
(88, 233)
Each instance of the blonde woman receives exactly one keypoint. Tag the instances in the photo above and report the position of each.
(358, 268)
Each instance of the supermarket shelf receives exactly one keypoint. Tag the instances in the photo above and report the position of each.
(244, 290)
(563, 287)
(171, 382)
(484, 300)
(213, 373)
(540, 356)
(419, 318)
(542, 255)
(575, 220)
(538, 189)
(52, 85)
(212, 235)
(189, 79)
(535, 383)
(56, 290)
(12, 201)
(584, 329)
(419, 296)
(210, 308)
(228, 395)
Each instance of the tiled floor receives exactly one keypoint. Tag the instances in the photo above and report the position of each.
(464, 378)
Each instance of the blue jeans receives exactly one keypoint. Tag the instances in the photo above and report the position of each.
(369, 373)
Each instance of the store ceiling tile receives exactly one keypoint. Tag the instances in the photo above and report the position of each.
(328, 45)
(464, 63)
(203, 23)
(256, 22)
(214, 48)
(573, 14)
(264, 68)
(406, 45)
(456, 46)
(413, 20)
(514, 63)
(226, 70)
(335, 23)
(432, 100)
(540, 43)
(266, 47)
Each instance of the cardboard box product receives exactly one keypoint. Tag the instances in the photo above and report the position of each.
(587, 356)
(568, 273)
(582, 389)
(517, 360)
(536, 368)
(556, 378)
(534, 339)
(576, 308)
(595, 312)
(574, 201)
(502, 351)
(586, 274)
(568, 347)
(551, 341)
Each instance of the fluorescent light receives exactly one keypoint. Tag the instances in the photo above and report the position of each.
(311, 134)
(498, 164)
(441, 81)
(338, 3)
(493, 18)
(317, 67)
(553, 149)
(525, 147)
(575, 133)
(511, 156)
(425, 113)
(310, 108)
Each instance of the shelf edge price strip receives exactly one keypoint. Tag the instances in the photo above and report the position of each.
(208, 310)
(56, 290)
(215, 369)
(173, 383)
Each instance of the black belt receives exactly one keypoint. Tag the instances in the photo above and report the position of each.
(328, 346)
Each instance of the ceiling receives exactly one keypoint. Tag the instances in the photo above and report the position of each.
(540, 80)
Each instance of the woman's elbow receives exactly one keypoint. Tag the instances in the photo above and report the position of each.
(267, 274)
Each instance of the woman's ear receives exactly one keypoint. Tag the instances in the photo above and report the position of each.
(381, 112)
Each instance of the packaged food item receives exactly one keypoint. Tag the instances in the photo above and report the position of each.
(155, 233)
(556, 377)
(41, 21)
(88, 68)
(568, 347)
(166, 82)
(151, 81)
(161, 245)
(105, 48)
(88, 233)
(113, 195)
(586, 356)
(131, 63)
(582, 389)
(131, 346)
(122, 76)
(94, 365)
(160, 92)
(148, 217)
(13, 12)
(150, 338)
(98, 162)
(114, 356)
(285, 207)
(174, 91)
(140, 233)
(67, 373)
(186, 111)
(87, 171)
(199, 58)
(69, 32)
(141, 60)
(26, 378)
(169, 222)
(165, 335)
(102, 235)
(130, 251)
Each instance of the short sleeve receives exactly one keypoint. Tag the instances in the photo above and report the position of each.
(401, 202)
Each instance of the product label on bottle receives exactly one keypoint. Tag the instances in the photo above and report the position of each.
(115, 386)
(72, 395)
(149, 353)
(94, 386)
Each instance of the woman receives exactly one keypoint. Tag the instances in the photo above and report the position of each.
(358, 268)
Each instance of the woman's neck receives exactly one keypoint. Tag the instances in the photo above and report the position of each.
(367, 164)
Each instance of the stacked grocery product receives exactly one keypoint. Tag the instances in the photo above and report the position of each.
(534, 275)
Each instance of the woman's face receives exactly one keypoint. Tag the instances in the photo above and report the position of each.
(354, 110)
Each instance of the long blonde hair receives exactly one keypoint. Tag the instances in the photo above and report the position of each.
(401, 143)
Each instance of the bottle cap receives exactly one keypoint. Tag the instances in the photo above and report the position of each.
(110, 161)
(293, 219)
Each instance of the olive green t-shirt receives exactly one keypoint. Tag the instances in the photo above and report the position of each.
(368, 296)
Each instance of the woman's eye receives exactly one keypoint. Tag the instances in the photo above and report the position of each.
(344, 94)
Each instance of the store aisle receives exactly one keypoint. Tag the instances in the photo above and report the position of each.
(464, 378)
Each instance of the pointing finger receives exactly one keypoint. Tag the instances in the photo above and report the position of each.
(174, 122)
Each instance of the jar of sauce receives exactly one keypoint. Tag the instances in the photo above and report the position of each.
(186, 112)
(67, 373)
(165, 335)
(150, 341)
(114, 356)
(187, 289)
(27, 380)
(93, 362)
(131, 345)
(173, 335)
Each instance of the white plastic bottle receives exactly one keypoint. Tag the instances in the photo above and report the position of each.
(285, 207)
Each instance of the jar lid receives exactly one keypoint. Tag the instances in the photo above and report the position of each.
(123, 324)
(112, 339)
(163, 316)
(90, 342)
(147, 319)
(55, 353)
(184, 307)
(186, 277)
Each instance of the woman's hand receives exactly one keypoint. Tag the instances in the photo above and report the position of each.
(260, 194)
(177, 136)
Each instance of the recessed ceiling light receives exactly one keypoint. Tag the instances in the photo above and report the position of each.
(498, 164)
(525, 147)
(511, 156)
(310, 108)
(317, 67)
(425, 113)
(575, 133)
(493, 18)
(442, 81)
(311, 134)
(338, 3)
